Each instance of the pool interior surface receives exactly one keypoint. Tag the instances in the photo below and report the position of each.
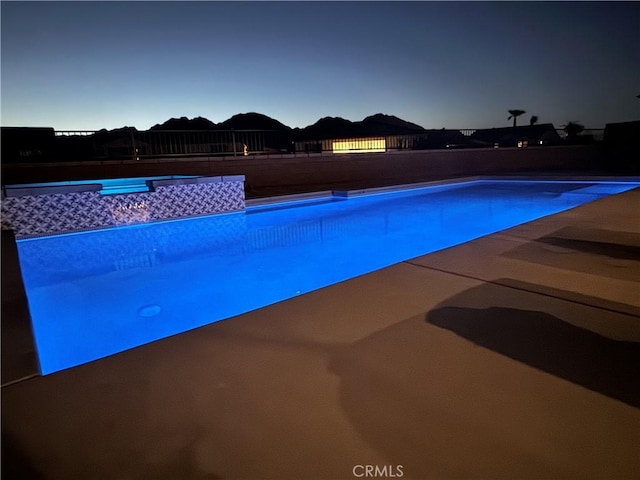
(98, 293)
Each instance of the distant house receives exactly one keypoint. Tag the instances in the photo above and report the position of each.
(365, 144)
(623, 133)
(26, 144)
(124, 147)
(444, 138)
(623, 146)
(376, 133)
(359, 145)
(524, 136)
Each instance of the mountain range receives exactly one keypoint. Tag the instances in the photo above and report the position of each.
(327, 127)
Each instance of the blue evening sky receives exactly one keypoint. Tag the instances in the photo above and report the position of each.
(92, 65)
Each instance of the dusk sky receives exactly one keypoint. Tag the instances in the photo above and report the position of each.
(93, 65)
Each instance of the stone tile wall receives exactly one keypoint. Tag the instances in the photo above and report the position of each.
(43, 211)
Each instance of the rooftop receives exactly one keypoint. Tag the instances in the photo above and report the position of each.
(515, 355)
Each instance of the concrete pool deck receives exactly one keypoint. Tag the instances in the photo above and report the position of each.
(516, 355)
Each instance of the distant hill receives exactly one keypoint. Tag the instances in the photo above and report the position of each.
(105, 135)
(183, 123)
(252, 121)
(372, 126)
(241, 121)
(380, 120)
(328, 127)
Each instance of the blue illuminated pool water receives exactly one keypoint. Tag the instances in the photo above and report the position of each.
(97, 293)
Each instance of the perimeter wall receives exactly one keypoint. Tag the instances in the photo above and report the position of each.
(273, 175)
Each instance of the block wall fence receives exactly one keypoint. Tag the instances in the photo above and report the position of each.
(283, 174)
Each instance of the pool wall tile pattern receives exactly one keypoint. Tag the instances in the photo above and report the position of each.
(47, 214)
(130, 247)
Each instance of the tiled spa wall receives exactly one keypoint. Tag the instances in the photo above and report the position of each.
(47, 210)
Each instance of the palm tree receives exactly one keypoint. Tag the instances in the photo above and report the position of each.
(533, 120)
(514, 114)
(573, 129)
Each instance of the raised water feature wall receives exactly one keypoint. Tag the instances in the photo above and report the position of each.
(53, 209)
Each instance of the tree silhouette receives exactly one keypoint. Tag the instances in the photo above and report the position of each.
(534, 120)
(514, 114)
(573, 129)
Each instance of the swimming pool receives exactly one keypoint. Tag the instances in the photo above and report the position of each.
(97, 293)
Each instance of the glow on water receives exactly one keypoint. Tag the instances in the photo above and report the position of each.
(94, 294)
